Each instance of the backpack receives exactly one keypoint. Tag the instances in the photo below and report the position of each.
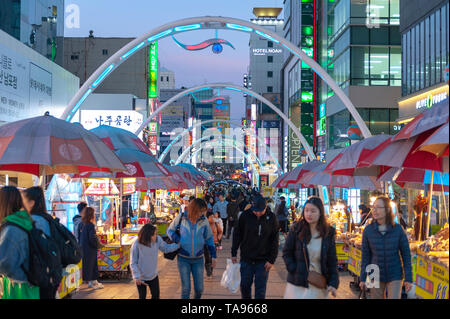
(66, 242)
(45, 269)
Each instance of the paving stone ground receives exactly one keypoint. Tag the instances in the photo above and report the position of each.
(170, 285)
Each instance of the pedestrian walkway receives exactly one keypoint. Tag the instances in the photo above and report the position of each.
(170, 285)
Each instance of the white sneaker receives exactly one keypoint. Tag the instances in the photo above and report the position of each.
(99, 286)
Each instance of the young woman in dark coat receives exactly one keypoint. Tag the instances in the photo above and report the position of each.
(383, 243)
(89, 244)
(311, 241)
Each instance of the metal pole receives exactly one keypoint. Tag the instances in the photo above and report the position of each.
(429, 206)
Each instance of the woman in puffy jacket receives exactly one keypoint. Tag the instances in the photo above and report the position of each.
(383, 243)
(14, 246)
(194, 234)
(310, 247)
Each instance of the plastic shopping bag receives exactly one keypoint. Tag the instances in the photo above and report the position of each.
(231, 278)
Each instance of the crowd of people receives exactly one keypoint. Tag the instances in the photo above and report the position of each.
(242, 215)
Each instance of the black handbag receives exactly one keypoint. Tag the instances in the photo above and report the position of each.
(173, 254)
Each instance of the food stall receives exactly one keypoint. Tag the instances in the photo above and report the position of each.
(104, 195)
(432, 266)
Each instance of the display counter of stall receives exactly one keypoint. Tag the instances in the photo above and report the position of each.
(338, 220)
(432, 266)
(166, 209)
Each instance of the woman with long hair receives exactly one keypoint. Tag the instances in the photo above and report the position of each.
(14, 246)
(193, 232)
(383, 243)
(90, 245)
(34, 202)
(144, 260)
(310, 255)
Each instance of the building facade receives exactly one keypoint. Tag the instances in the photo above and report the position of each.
(424, 29)
(37, 24)
(82, 56)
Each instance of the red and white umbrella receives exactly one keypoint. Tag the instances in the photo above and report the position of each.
(402, 153)
(437, 143)
(46, 145)
(412, 178)
(346, 162)
(117, 138)
(137, 164)
(144, 184)
(343, 181)
(427, 120)
(290, 179)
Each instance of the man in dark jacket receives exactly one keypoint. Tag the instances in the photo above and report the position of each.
(256, 234)
(77, 224)
(232, 213)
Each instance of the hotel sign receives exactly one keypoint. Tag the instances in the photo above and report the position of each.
(264, 51)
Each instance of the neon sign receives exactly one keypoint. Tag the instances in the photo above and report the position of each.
(216, 43)
(153, 70)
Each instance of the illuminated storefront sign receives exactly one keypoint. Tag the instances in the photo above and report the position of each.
(127, 120)
(322, 125)
(431, 100)
(152, 137)
(412, 106)
(153, 70)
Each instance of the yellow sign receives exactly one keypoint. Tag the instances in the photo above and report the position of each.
(431, 279)
(72, 280)
(342, 252)
(354, 260)
(268, 191)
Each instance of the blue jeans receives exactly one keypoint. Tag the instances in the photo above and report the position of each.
(259, 273)
(186, 266)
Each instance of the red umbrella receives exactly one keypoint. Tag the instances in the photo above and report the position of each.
(319, 177)
(437, 143)
(427, 120)
(117, 138)
(402, 153)
(144, 184)
(411, 178)
(346, 162)
(47, 145)
(290, 179)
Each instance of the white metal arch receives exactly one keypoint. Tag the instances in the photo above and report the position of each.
(206, 22)
(233, 87)
(256, 173)
(186, 131)
(207, 139)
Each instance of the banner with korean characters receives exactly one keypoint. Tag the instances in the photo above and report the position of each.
(72, 280)
(431, 279)
(342, 252)
(354, 260)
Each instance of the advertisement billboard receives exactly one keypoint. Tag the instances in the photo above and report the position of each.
(153, 70)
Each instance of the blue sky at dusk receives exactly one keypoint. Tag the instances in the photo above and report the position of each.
(113, 18)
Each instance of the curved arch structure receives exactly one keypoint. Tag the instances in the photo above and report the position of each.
(186, 131)
(207, 139)
(206, 22)
(256, 174)
(232, 87)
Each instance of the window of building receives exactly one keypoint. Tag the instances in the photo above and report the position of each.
(438, 47)
(167, 78)
(432, 50)
(270, 89)
(269, 44)
(379, 36)
(270, 59)
(270, 74)
(395, 67)
(162, 79)
(105, 52)
(422, 56)
(74, 57)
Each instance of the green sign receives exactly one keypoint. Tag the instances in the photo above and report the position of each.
(153, 70)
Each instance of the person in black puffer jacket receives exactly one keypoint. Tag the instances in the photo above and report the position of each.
(383, 243)
(311, 241)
